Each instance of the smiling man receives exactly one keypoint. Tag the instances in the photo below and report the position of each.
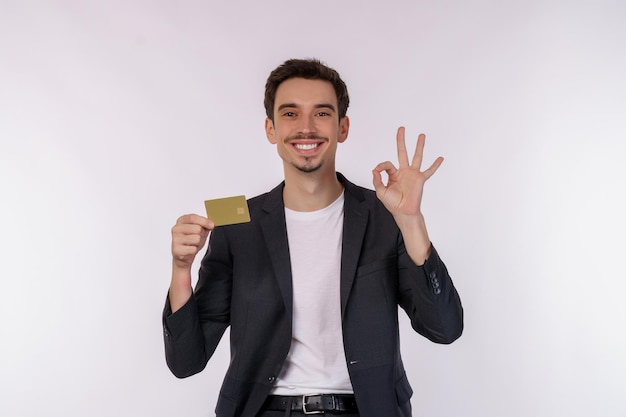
(306, 128)
(311, 286)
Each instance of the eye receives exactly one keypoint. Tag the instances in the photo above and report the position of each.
(289, 114)
(323, 114)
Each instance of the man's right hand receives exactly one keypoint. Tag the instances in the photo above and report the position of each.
(189, 235)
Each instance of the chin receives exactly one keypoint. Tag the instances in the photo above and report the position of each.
(307, 168)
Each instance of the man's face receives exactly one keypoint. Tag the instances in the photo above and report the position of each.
(306, 127)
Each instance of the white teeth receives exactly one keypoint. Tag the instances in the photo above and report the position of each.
(306, 147)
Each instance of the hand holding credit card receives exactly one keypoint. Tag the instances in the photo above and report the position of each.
(229, 210)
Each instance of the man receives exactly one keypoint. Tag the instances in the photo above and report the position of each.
(311, 286)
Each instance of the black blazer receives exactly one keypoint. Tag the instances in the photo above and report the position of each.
(245, 283)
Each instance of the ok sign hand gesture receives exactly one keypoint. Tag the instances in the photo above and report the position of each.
(402, 195)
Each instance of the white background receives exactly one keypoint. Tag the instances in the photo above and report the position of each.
(118, 116)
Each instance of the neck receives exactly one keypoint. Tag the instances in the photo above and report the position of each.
(310, 191)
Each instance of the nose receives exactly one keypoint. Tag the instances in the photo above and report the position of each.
(306, 124)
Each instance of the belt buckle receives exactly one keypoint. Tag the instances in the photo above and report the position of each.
(305, 411)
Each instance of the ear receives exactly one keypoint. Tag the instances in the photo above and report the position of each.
(269, 131)
(344, 127)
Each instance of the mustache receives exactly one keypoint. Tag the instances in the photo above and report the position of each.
(309, 137)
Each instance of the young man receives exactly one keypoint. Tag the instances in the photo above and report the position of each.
(311, 286)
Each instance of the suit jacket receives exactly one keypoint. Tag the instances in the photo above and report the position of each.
(245, 283)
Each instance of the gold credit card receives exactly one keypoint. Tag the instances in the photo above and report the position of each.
(229, 210)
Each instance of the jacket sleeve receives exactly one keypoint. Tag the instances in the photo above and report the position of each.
(192, 333)
(429, 297)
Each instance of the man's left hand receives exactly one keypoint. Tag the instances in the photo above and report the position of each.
(402, 195)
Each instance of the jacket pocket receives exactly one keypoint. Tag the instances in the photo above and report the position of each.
(381, 264)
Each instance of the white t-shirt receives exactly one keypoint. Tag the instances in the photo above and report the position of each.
(316, 362)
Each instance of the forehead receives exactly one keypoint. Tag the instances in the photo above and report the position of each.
(301, 91)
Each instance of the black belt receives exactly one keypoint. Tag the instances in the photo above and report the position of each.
(312, 404)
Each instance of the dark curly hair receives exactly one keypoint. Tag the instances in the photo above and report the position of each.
(310, 69)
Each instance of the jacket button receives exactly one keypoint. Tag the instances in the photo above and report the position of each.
(271, 379)
(437, 291)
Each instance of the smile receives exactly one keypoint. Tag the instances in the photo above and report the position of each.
(305, 146)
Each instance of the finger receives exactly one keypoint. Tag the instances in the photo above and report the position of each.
(419, 152)
(433, 168)
(377, 180)
(196, 219)
(386, 166)
(190, 240)
(187, 229)
(187, 245)
(403, 157)
(184, 230)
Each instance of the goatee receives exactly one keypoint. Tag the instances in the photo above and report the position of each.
(307, 168)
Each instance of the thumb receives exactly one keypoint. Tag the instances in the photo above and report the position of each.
(377, 180)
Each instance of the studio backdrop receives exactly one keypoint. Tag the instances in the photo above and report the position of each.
(116, 117)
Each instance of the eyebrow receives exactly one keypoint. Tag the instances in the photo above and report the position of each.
(317, 106)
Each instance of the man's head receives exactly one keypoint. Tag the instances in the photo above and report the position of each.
(310, 69)
(306, 104)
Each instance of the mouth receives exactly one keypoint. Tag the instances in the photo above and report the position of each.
(306, 146)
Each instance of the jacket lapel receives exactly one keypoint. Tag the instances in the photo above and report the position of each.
(356, 214)
(274, 231)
